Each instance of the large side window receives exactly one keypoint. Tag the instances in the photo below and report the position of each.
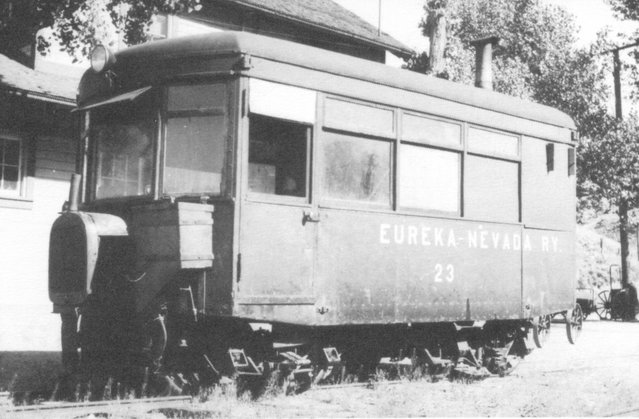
(11, 166)
(430, 178)
(196, 132)
(492, 176)
(356, 169)
(278, 156)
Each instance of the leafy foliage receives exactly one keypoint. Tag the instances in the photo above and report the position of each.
(628, 9)
(536, 60)
(80, 24)
(609, 165)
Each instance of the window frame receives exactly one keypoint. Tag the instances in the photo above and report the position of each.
(264, 197)
(458, 148)
(22, 197)
(496, 156)
(165, 114)
(331, 202)
(17, 192)
(89, 157)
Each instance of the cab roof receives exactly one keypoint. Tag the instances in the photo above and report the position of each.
(243, 43)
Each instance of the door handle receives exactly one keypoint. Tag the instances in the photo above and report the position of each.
(310, 217)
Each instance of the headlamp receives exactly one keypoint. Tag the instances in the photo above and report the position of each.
(101, 58)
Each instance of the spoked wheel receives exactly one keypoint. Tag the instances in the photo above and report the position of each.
(603, 305)
(541, 329)
(574, 323)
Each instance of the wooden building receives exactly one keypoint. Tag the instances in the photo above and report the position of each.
(36, 160)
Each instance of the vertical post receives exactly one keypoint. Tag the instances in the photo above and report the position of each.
(623, 237)
(484, 61)
(379, 18)
(617, 75)
(623, 203)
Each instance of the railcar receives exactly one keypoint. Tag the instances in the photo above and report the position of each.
(244, 203)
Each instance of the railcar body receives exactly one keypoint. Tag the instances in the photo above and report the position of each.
(233, 182)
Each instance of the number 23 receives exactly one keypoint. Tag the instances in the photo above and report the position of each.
(444, 272)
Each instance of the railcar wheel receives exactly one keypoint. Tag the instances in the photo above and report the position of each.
(574, 323)
(541, 329)
(603, 305)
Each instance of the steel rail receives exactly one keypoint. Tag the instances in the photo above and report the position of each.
(110, 407)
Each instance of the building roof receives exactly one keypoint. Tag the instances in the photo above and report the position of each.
(36, 84)
(330, 16)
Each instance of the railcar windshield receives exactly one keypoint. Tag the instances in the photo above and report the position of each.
(123, 137)
(124, 143)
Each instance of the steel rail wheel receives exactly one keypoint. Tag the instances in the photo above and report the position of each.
(603, 305)
(574, 323)
(541, 329)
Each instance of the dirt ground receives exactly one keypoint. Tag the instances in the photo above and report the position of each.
(597, 377)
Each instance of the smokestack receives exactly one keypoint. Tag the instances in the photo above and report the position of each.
(483, 61)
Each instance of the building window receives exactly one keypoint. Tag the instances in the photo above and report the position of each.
(11, 166)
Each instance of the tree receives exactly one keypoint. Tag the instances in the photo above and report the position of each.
(537, 59)
(610, 176)
(628, 9)
(79, 24)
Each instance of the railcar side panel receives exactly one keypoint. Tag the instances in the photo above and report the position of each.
(382, 268)
(277, 255)
(549, 275)
(548, 185)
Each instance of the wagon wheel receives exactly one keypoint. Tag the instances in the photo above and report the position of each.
(541, 329)
(603, 305)
(574, 323)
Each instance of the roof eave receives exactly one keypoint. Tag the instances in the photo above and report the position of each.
(401, 52)
(60, 100)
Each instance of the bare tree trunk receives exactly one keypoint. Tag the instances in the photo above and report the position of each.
(436, 32)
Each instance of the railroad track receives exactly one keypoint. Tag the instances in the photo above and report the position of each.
(107, 408)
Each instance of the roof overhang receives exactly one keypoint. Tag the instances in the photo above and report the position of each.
(124, 97)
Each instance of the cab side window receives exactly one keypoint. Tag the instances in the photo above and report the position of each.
(278, 156)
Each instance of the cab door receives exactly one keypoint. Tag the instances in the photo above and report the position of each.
(278, 219)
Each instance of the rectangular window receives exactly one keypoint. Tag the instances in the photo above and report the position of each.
(430, 179)
(278, 157)
(196, 133)
(550, 157)
(123, 136)
(360, 118)
(199, 97)
(282, 101)
(494, 143)
(571, 161)
(10, 166)
(356, 169)
(492, 189)
(430, 131)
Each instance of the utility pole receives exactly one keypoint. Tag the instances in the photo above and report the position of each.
(623, 203)
(379, 18)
